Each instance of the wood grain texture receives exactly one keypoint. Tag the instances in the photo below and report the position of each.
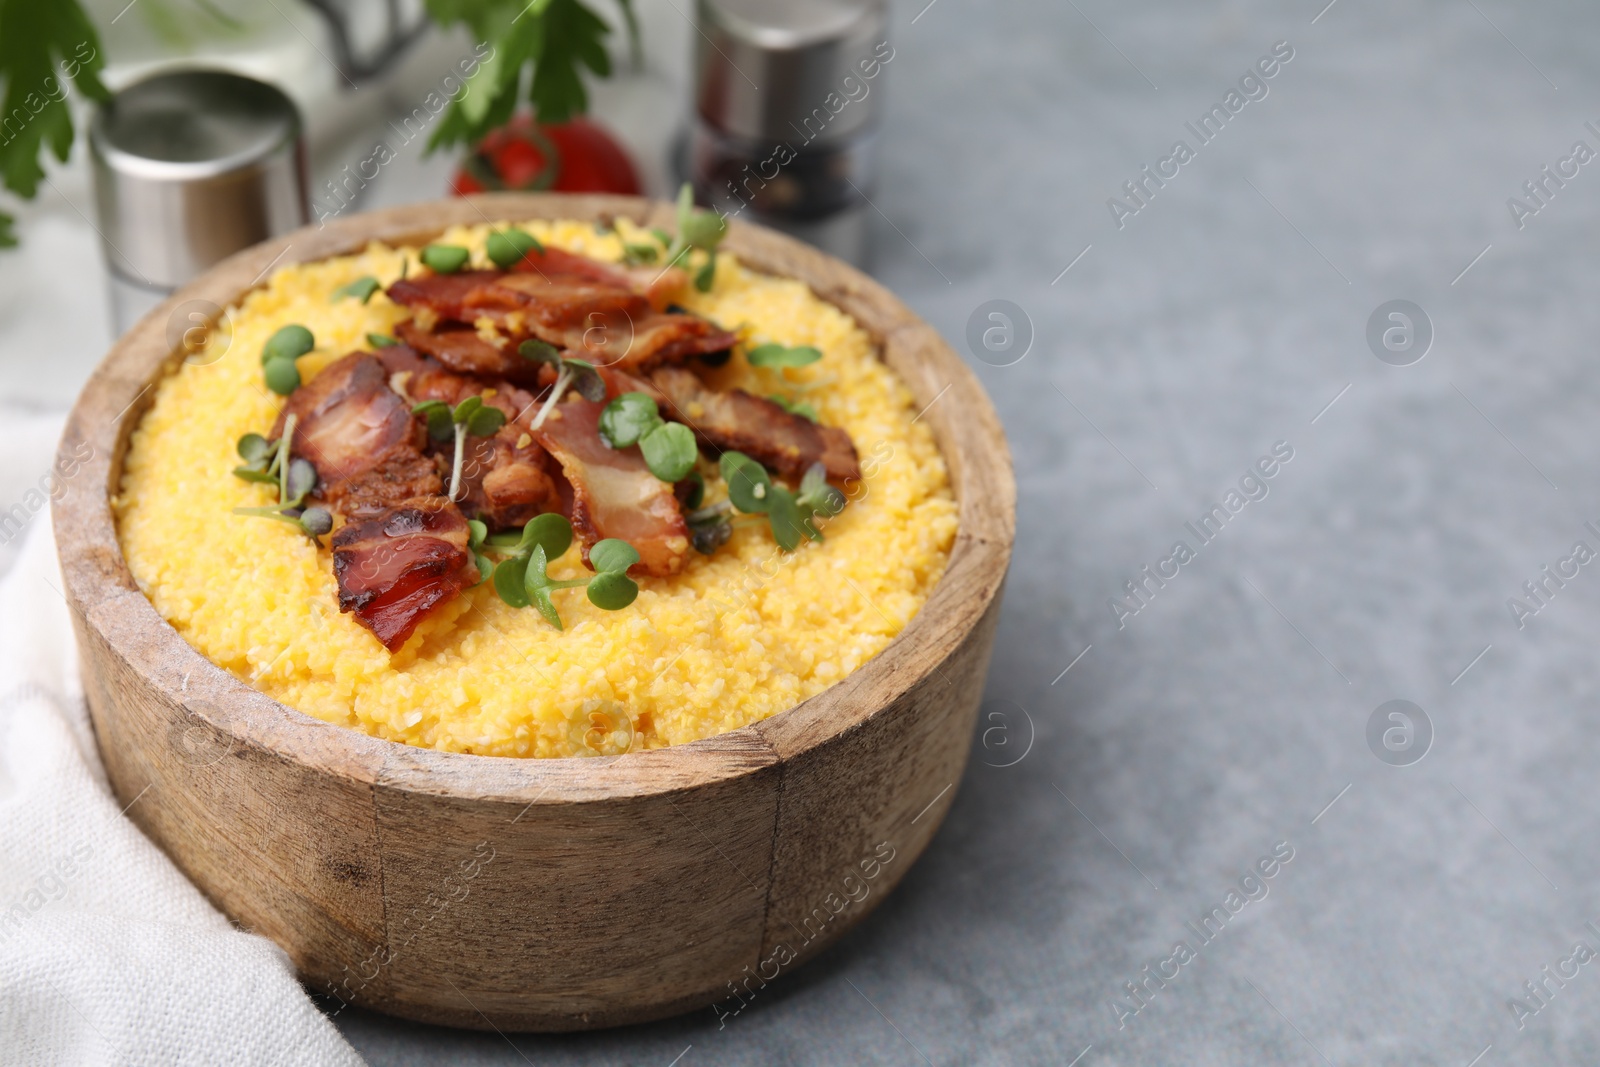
(539, 894)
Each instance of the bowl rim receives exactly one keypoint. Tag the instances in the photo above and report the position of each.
(109, 607)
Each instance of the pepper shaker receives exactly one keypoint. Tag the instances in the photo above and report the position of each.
(191, 166)
(785, 123)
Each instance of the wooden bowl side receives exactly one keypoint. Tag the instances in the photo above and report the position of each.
(538, 894)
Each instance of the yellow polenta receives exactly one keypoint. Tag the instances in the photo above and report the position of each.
(736, 637)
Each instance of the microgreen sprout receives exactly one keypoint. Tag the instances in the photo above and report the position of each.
(523, 578)
(794, 407)
(508, 247)
(471, 416)
(269, 462)
(773, 355)
(576, 374)
(278, 356)
(444, 259)
(479, 533)
(635, 254)
(362, 289)
(668, 447)
(697, 229)
(752, 491)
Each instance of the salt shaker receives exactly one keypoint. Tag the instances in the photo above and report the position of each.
(787, 94)
(191, 166)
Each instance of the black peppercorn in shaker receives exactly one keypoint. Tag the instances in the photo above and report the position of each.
(785, 126)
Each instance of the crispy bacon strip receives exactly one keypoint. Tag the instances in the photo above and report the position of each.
(465, 351)
(397, 567)
(347, 418)
(400, 474)
(613, 492)
(743, 422)
(595, 318)
(504, 480)
(660, 287)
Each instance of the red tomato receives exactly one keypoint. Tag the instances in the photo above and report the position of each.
(570, 157)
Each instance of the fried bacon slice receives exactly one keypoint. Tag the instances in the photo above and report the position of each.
(347, 418)
(473, 322)
(740, 421)
(613, 492)
(395, 568)
(506, 478)
(660, 287)
(466, 351)
(400, 474)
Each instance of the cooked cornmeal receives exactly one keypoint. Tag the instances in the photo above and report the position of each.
(736, 637)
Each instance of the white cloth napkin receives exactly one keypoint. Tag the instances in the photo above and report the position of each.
(108, 955)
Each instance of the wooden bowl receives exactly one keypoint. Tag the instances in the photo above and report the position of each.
(538, 894)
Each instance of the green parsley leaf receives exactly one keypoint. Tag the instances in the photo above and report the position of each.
(39, 43)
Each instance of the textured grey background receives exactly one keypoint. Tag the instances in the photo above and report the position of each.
(1229, 712)
(1233, 710)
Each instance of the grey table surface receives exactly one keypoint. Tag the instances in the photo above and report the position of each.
(1112, 805)
(1230, 716)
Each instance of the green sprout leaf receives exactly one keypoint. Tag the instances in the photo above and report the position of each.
(749, 487)
(613, 555)
(291, 342)
(785, 518)
(437, 413)
(540, 352)
(537, 584)
(316, 521)
(635, 255)
(381, 340)
(301, 479)
(253, 447)
(707, 272)
(445, 259)
(628, 418)
(669, 451)
(281, 376)
(817, 495)
(585, 379)
(774, 355)
(696, 229)
(485, 421)
(508, 247)
(524, 578)
(551, 532)
(793, 407)
(695, 493)
(612, 590)
(509, 578)
(362, 289)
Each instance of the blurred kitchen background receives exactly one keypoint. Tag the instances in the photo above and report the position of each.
(353, 67)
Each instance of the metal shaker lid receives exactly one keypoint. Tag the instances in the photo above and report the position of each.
(799, 71)
(191, 166)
